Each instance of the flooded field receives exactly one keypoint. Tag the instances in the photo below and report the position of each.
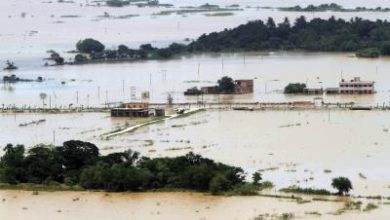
(94, 85)
(84, 205)
(305, 148)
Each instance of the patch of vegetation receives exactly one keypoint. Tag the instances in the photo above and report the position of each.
(331, 7)
(294, 88)
(352, 205)
(315, 213)
(70, 16)
(366, 38)
(369, 207)
(368, 53)
(311, 191)
(218, 14)
(342, 184)
(78, 163)
(316, 35)
(117, 3)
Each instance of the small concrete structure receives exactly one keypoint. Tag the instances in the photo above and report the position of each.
(132, 109)
(129, 112)
(159, 112)
(135, 105)
(241, 86)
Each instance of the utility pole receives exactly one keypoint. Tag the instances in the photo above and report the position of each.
(198, 71)
(77, 97)
(87, 100)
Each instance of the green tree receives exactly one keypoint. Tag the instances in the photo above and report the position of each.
(256, 177)
(226, 85)
(293, 88)
(89, 45)
(386, 49)
(164, 53)
(11, 164)
(79, 58)
(219, 184)
(342, 184)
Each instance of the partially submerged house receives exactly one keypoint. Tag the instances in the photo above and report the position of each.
(136, 109)
(313, 91)
(241, 86)
(356, 86)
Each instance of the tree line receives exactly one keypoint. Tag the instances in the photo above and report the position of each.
(80, 163)
(315, 35)
(364, 37)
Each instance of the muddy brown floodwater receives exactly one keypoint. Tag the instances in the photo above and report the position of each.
(22, 205)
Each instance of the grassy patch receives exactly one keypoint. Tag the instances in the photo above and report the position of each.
(217, 14)
(40, 187)
(310, 191)
(369, 207)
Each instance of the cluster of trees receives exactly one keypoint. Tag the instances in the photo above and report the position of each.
(91, 50)
(79, 163)
(117, 3)
(226, 85)
(315, 35)
(366, 38)
(313, 8)
(331, 7)
(342, 184)
(55, 57)
(294, 88)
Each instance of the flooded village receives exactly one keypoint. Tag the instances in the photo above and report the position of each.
(167, 118)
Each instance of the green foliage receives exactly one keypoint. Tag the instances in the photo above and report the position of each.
(79, 163)
(385, 50)
(164, 53)
(315, 35)
(117, 3)
(193, 91)
(226, 85)
(368, 53)
(56, 57)
(219, 184)
(310, 191)
(370, 206)
(11, 164)
(256, 177)
(294, 88)
(342, 184)
(89, 45)
(79, 58)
